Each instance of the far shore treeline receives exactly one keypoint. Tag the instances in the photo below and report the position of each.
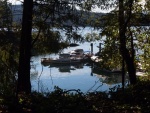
(84, 20)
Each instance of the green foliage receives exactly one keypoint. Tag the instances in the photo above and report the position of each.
(8, 42)
(50, 42)
(144, 46)
(91, 37)
(9, 51)
(110, 32)
(56, 15)
(102, 4)
(109, 35)
(5, 15)
(134, 98)
(8, 66)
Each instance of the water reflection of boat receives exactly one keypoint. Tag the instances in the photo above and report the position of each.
(64, 68)
(67, 67)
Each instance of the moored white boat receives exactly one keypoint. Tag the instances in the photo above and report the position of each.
(74, 56)
(63, 59)
(79, 53)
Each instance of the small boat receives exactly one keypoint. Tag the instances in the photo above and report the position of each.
(64, 58)
(78, 53)
(74, 56)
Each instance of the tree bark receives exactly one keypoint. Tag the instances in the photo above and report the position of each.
(128, 58)
(24, 84)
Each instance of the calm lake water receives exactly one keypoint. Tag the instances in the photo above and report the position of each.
(45, 77)
(80, 76)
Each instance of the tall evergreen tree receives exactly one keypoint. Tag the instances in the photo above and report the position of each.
(24, 84)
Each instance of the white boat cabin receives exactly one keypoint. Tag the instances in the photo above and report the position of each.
(78, 52)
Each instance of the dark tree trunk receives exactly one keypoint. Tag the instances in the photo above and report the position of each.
(128, 58)
(130, 66)
(24, 84)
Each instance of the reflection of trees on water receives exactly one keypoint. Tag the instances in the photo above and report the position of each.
(41, 87)
(97, 87)
(33, 71)
(109, 77)
(104, 77)
(113, 79)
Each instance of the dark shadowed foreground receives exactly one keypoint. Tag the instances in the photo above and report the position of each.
(134, 99)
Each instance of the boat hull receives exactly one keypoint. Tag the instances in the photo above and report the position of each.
(58, 61)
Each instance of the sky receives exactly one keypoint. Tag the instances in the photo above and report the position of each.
(96, 9)
(15, 1)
